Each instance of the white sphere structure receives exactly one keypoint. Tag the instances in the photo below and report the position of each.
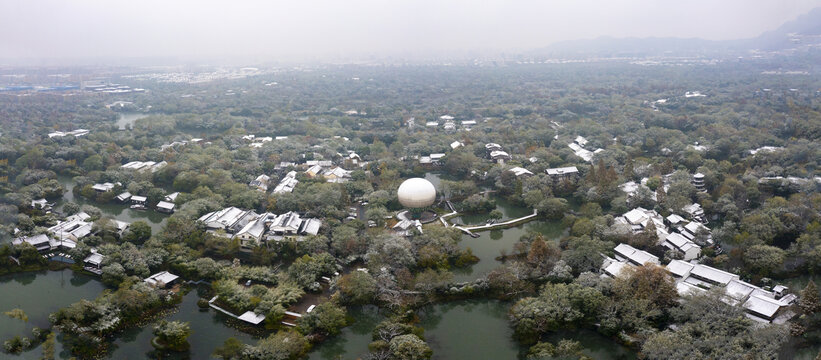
(416, 193)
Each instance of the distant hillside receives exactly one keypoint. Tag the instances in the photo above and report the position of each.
(804, 26)
(804, 30)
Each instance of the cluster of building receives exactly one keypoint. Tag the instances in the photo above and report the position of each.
(563, 173)
(175, 144)
(332, 174)
(105, 187)
(495, 152)
(578, 148)
(167, 205)
(102, 87)
(766, 149)
(631, 188)
(432, 159)
(260, 182)
(200, 77)
(764, 305)
(287, 184)
(682, 236)
(257, 142)
(143, 166)
(74, 133)
(253, 229)
(65, 234)
(447, 122)
(405, 227)
(42, 204)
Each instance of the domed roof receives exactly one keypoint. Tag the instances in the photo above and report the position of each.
(416, 193)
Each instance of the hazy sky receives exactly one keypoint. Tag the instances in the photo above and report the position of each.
(303, 28)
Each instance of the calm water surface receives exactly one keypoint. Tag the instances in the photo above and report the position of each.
(39, 294)
(208, 331)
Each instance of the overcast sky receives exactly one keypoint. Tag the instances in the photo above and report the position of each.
(272, 30)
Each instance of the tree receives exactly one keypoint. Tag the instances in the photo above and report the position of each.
(377, 214)
(584, 253)
(557, 306)
(628, 169)
(138, 232)
(113, 274)
(728, 328)
(71, 208)
(231, 349)
(325, 319)
(409, 347)
(283, 345)
(93, 162)
(810, 302)
(647, 282)
(553, 208)
(172, 335)
(357, 287)
(764, 259)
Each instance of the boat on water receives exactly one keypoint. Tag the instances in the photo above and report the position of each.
(138, 207)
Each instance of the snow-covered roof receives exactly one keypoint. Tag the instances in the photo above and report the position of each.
(562, 170)
(680, 268)
(638, 257)
(519, 171)
(161, 278)
(165, 205)
(712, 274)
(94, 259)
(252, 317)
(684, 288)
(764, 306)
(615, 268)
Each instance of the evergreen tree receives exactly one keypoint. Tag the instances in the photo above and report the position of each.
(810, 302)
(628, 169)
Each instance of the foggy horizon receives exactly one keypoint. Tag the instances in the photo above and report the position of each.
(327, 30)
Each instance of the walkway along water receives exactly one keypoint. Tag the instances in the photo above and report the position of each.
(470, 229)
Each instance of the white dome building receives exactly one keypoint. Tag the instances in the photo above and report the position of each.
(416, 193)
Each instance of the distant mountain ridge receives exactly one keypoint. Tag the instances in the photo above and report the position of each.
(805, 28)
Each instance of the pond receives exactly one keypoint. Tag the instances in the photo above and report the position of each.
(126, 120)
(489, 245)
(120, 212)
(479, 329)
(352, 342)
(509, 211)
(208, 332)
(39, 294)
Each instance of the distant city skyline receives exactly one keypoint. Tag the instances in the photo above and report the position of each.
(327, 30)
